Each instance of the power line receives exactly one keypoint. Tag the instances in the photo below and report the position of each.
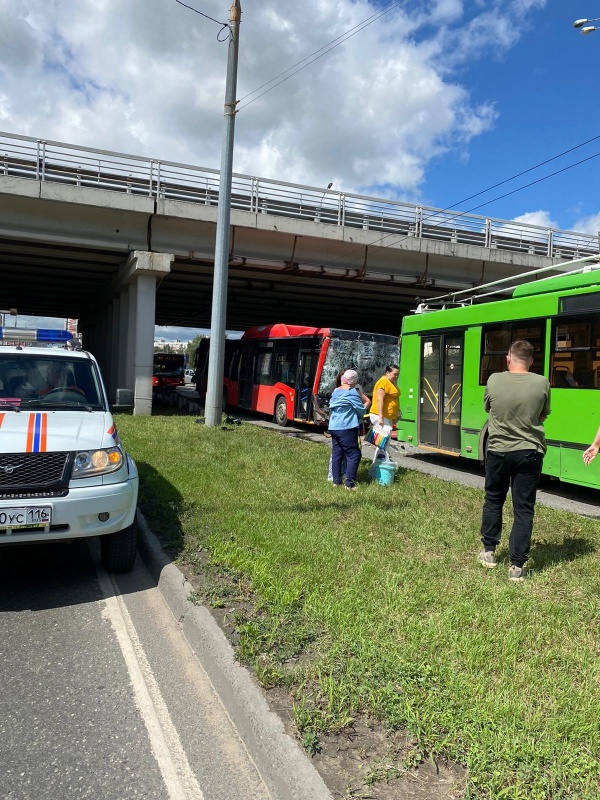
(327, 48)
(527, 185)
(514, 177)
(481, 205)
(223, 24)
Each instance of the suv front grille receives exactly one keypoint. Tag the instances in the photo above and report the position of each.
(45, 493)
(22, 472)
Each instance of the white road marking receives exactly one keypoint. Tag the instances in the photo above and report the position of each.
(176, 772)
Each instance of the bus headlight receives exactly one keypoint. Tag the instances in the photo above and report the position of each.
(97, 462)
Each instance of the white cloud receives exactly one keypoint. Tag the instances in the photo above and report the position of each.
(490, 33)
(147, 77)
(540, 218)
(589, 224)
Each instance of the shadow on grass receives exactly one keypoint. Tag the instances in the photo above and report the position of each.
(548, 554)
(162, 505)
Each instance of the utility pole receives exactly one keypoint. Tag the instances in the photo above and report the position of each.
(214, 390)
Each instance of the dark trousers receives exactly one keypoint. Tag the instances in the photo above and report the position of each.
(520, 470)
(345, 443)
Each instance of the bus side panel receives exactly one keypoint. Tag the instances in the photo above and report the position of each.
(409, 382)
(264, 398)
(570, 429)
(231, 388)
(552, 461)
(573, 469)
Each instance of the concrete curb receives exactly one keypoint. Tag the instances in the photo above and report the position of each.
(285, 769)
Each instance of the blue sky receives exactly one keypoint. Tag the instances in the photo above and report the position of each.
(543, 91)
(433, 102)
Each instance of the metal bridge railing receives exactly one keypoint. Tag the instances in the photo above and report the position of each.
(25, 157)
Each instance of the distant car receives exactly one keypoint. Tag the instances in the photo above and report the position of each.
(190, 375)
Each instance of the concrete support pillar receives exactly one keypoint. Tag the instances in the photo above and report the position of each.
(141, 273)
(95, 341)
(107, 346)
(121, 333)
(85, 328)
(129, 350)
(123, 339)
(143, 345)
(116, 347)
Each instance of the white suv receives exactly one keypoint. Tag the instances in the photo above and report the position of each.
(63, 471)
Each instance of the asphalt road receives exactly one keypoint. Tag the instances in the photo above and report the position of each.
(102, 696)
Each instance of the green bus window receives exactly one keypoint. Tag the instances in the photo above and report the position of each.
(575, 362)
(496, 340)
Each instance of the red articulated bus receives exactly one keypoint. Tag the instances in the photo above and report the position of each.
(168, 370)
(289, 371)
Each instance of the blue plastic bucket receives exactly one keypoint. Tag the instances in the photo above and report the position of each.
(386, 473)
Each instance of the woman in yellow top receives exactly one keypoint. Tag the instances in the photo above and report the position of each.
(385, 408)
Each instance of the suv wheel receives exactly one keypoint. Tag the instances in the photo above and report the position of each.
(118, 549)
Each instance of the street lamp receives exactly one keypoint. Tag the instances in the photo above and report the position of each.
(580, 23)
(329, 185)
(319, 208)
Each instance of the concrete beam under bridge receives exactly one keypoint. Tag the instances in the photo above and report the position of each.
(68, 241)
(123, 260)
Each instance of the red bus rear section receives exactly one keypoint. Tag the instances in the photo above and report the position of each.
(289, 371)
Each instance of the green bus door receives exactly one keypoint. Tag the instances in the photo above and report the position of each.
(441, 391)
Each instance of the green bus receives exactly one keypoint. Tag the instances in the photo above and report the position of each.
(448, 353)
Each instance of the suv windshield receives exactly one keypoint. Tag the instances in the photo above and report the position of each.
(33, 379)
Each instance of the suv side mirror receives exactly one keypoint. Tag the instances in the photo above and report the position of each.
(124, 400)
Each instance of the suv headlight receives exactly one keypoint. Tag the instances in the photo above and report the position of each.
(97, 462)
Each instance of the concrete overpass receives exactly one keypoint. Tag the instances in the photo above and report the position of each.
(122, 242)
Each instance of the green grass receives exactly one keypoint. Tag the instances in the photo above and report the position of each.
(372, 603)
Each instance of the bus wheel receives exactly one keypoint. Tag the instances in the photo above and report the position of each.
(280, 413)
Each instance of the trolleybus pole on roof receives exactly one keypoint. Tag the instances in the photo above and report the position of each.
(214, 389)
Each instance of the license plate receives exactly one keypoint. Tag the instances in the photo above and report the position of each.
(27, 517)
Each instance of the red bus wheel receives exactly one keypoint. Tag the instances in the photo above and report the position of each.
(280, 413)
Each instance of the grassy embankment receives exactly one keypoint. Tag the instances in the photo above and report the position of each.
(380, 594)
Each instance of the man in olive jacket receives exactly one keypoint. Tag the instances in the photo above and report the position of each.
(518, 402)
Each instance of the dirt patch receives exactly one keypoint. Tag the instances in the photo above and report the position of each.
(368, 761)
